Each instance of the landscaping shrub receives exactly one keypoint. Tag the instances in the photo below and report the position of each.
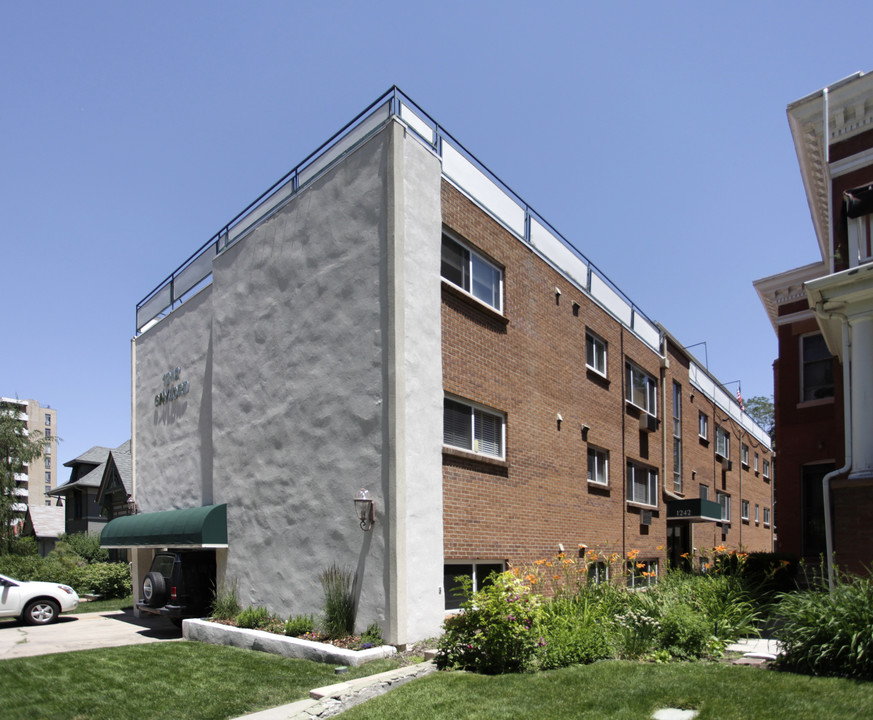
(299, 625)
(255, 618)
(372, 636)
(84, 545)
(828, 633)
(225, 603)
(498, 630)
(684, 633)
(575, 631)
(339, 586)
(109, 580)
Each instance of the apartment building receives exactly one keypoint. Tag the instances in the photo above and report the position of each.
(33, 484)
(823, 316)
(390, 318)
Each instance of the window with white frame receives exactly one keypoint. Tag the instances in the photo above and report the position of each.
(477, 574)
(744, 510)
(598, 466)
(724, 502)
(472, 273)
(703, 425)
(766, 516)
(677, 437)
(756, 462)
(48, 419)
(474, 428)
(817, 376)
(641, 389)
(766, 468)
(704, 492)
(642, 485)
(722, 442)
(595, 353)
(642, 573)
(757, 513)
(745, 454)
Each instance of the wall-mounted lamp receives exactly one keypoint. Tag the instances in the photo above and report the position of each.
(365, 508)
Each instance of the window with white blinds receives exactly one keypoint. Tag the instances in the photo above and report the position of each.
(473, 428)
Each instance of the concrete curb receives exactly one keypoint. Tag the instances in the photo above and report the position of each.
(218, 634)
(331, 700)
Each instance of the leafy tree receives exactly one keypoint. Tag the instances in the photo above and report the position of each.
(762, 411)
(17, 448)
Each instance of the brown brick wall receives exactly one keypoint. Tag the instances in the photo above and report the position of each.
(530, 364)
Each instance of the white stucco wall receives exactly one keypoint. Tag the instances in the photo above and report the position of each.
(173, 440)
(315, 369)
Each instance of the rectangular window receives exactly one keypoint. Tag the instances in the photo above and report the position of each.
(724, 502)
(477, 572)
(48, 462)
(48, 487)
(677, 437)
(48, 477)
(703, 426)
(598, 466)
(641, 390)
(722, 442)
(642, 573)
(757, 513)
(48, 419)
(598, 572)
(642, 485)
(472, 273)
(744, 512)
(745, 454)
(595, 353)
(766, 468)
(48, 432)
(766, 516)
(756, 462)
(473, 428)
(48, 449)
(704, 492)
(817, 377)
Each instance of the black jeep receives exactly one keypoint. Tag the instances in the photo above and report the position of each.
(180, 584)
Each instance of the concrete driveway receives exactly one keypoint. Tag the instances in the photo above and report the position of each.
(84, 631)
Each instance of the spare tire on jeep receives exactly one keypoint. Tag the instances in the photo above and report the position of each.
(154, 589)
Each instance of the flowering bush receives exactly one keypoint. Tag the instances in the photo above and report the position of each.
(498, 629)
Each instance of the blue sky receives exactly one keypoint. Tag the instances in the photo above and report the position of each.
(652, 135)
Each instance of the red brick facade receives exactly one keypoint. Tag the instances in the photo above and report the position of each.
(530, 363)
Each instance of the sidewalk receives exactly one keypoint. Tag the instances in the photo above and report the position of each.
(331, 700)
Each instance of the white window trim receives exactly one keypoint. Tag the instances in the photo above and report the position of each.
(722, 434)
(651, 389)
(483, 409)
(766, 517)
(757, 513)
(744, 454)
(744, 509)
(596, 340)
(637, 579)
(766, 468)
(477, 582)
(725, 507)
(486, 261)
(702, 425)
(651, 473)
(598, 453)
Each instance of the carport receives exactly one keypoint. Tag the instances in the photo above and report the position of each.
(187, 529)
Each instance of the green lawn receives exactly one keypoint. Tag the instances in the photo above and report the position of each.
(625, 691)
(198, 681)
(178, 680)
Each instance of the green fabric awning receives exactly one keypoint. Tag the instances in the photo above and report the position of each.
(694, 510)
(202, 527)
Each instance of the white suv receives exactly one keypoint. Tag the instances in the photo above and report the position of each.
(35, 603)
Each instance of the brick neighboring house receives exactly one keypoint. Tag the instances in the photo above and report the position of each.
(390, 316)
(823, 316)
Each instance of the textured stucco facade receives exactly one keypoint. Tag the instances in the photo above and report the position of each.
(313, 369)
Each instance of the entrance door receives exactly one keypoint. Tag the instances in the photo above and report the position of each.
(679, 544)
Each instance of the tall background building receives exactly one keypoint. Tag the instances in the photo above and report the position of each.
(41, 475)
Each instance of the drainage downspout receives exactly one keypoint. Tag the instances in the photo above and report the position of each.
(847, 432)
